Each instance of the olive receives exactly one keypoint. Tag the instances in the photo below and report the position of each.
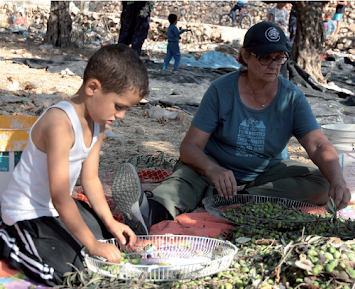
(136, 261)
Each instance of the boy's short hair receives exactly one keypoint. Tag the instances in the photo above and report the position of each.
(118, 68)
(172, 18)
(328, 14)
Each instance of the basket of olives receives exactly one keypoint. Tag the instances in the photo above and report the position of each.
(165, 258)
(264, 212)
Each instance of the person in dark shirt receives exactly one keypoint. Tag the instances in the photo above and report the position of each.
(292, 25)
(339, 13)
(135, 20)
(173, 49)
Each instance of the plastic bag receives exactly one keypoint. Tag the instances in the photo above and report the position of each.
(159, 112)
(212, 59)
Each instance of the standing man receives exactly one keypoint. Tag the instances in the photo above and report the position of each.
(135, 18)
(339, 13)
(292, 25)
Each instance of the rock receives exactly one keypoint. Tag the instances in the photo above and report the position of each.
(140, 130)
(50, 97)
(95, 16)
(19, 51)
(44, 103)
(3, 112)
(38, 109)
(62, 94)
(131, 142)
(226, 9)
(109, 134)
(116, 20)
(67, 72)
(348, 43)
(46, 47)
(29, 85)
(11, 99)
(29, 105)
(14, 85)
(331, 41)
(351, 27)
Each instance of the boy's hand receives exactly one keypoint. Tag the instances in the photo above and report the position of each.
(106, 250)
(123, 234)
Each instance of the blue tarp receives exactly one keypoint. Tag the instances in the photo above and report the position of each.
(212, 59)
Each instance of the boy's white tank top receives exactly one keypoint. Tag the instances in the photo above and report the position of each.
(27, 195)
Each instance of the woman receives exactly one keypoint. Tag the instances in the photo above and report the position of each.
(237, 141)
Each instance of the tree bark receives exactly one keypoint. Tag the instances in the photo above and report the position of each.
(59, 25)
(307, 48)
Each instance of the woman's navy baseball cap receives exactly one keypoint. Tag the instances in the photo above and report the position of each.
(266, 38)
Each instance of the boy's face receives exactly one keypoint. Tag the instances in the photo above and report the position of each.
(104, 108)
(329, 18)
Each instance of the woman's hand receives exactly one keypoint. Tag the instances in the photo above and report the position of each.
(340, 194)
(224, 181)
(323, 154)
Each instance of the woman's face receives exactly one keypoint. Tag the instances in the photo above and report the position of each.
(265, 73)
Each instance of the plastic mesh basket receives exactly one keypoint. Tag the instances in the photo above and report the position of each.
(220, 207)
(167, 257)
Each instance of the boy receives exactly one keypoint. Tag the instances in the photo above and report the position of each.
(278, 15)
(46, 227)
(173, 43)
(329, 25)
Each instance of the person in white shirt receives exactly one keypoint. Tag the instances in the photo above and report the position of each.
(278, 15)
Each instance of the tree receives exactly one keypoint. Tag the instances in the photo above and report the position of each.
(307, 48)
(59, 25)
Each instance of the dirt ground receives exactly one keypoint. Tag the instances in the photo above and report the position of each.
(138, 134)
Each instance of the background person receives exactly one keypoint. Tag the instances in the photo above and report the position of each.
(238, 6)
(46, 227)
(279, 16)
(339, 14)
(292, 25)
(237, 142)
(135, 18)
(329, 25)
(173, 49)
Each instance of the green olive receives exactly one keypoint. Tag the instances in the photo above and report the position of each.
(329, 268)
(136, 261)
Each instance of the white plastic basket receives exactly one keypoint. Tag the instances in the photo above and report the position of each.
(167, 258)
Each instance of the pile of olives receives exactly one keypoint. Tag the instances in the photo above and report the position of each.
(268, 215)
(134, 259)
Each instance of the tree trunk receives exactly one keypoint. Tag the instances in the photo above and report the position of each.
(59, 25)
(307, 48)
